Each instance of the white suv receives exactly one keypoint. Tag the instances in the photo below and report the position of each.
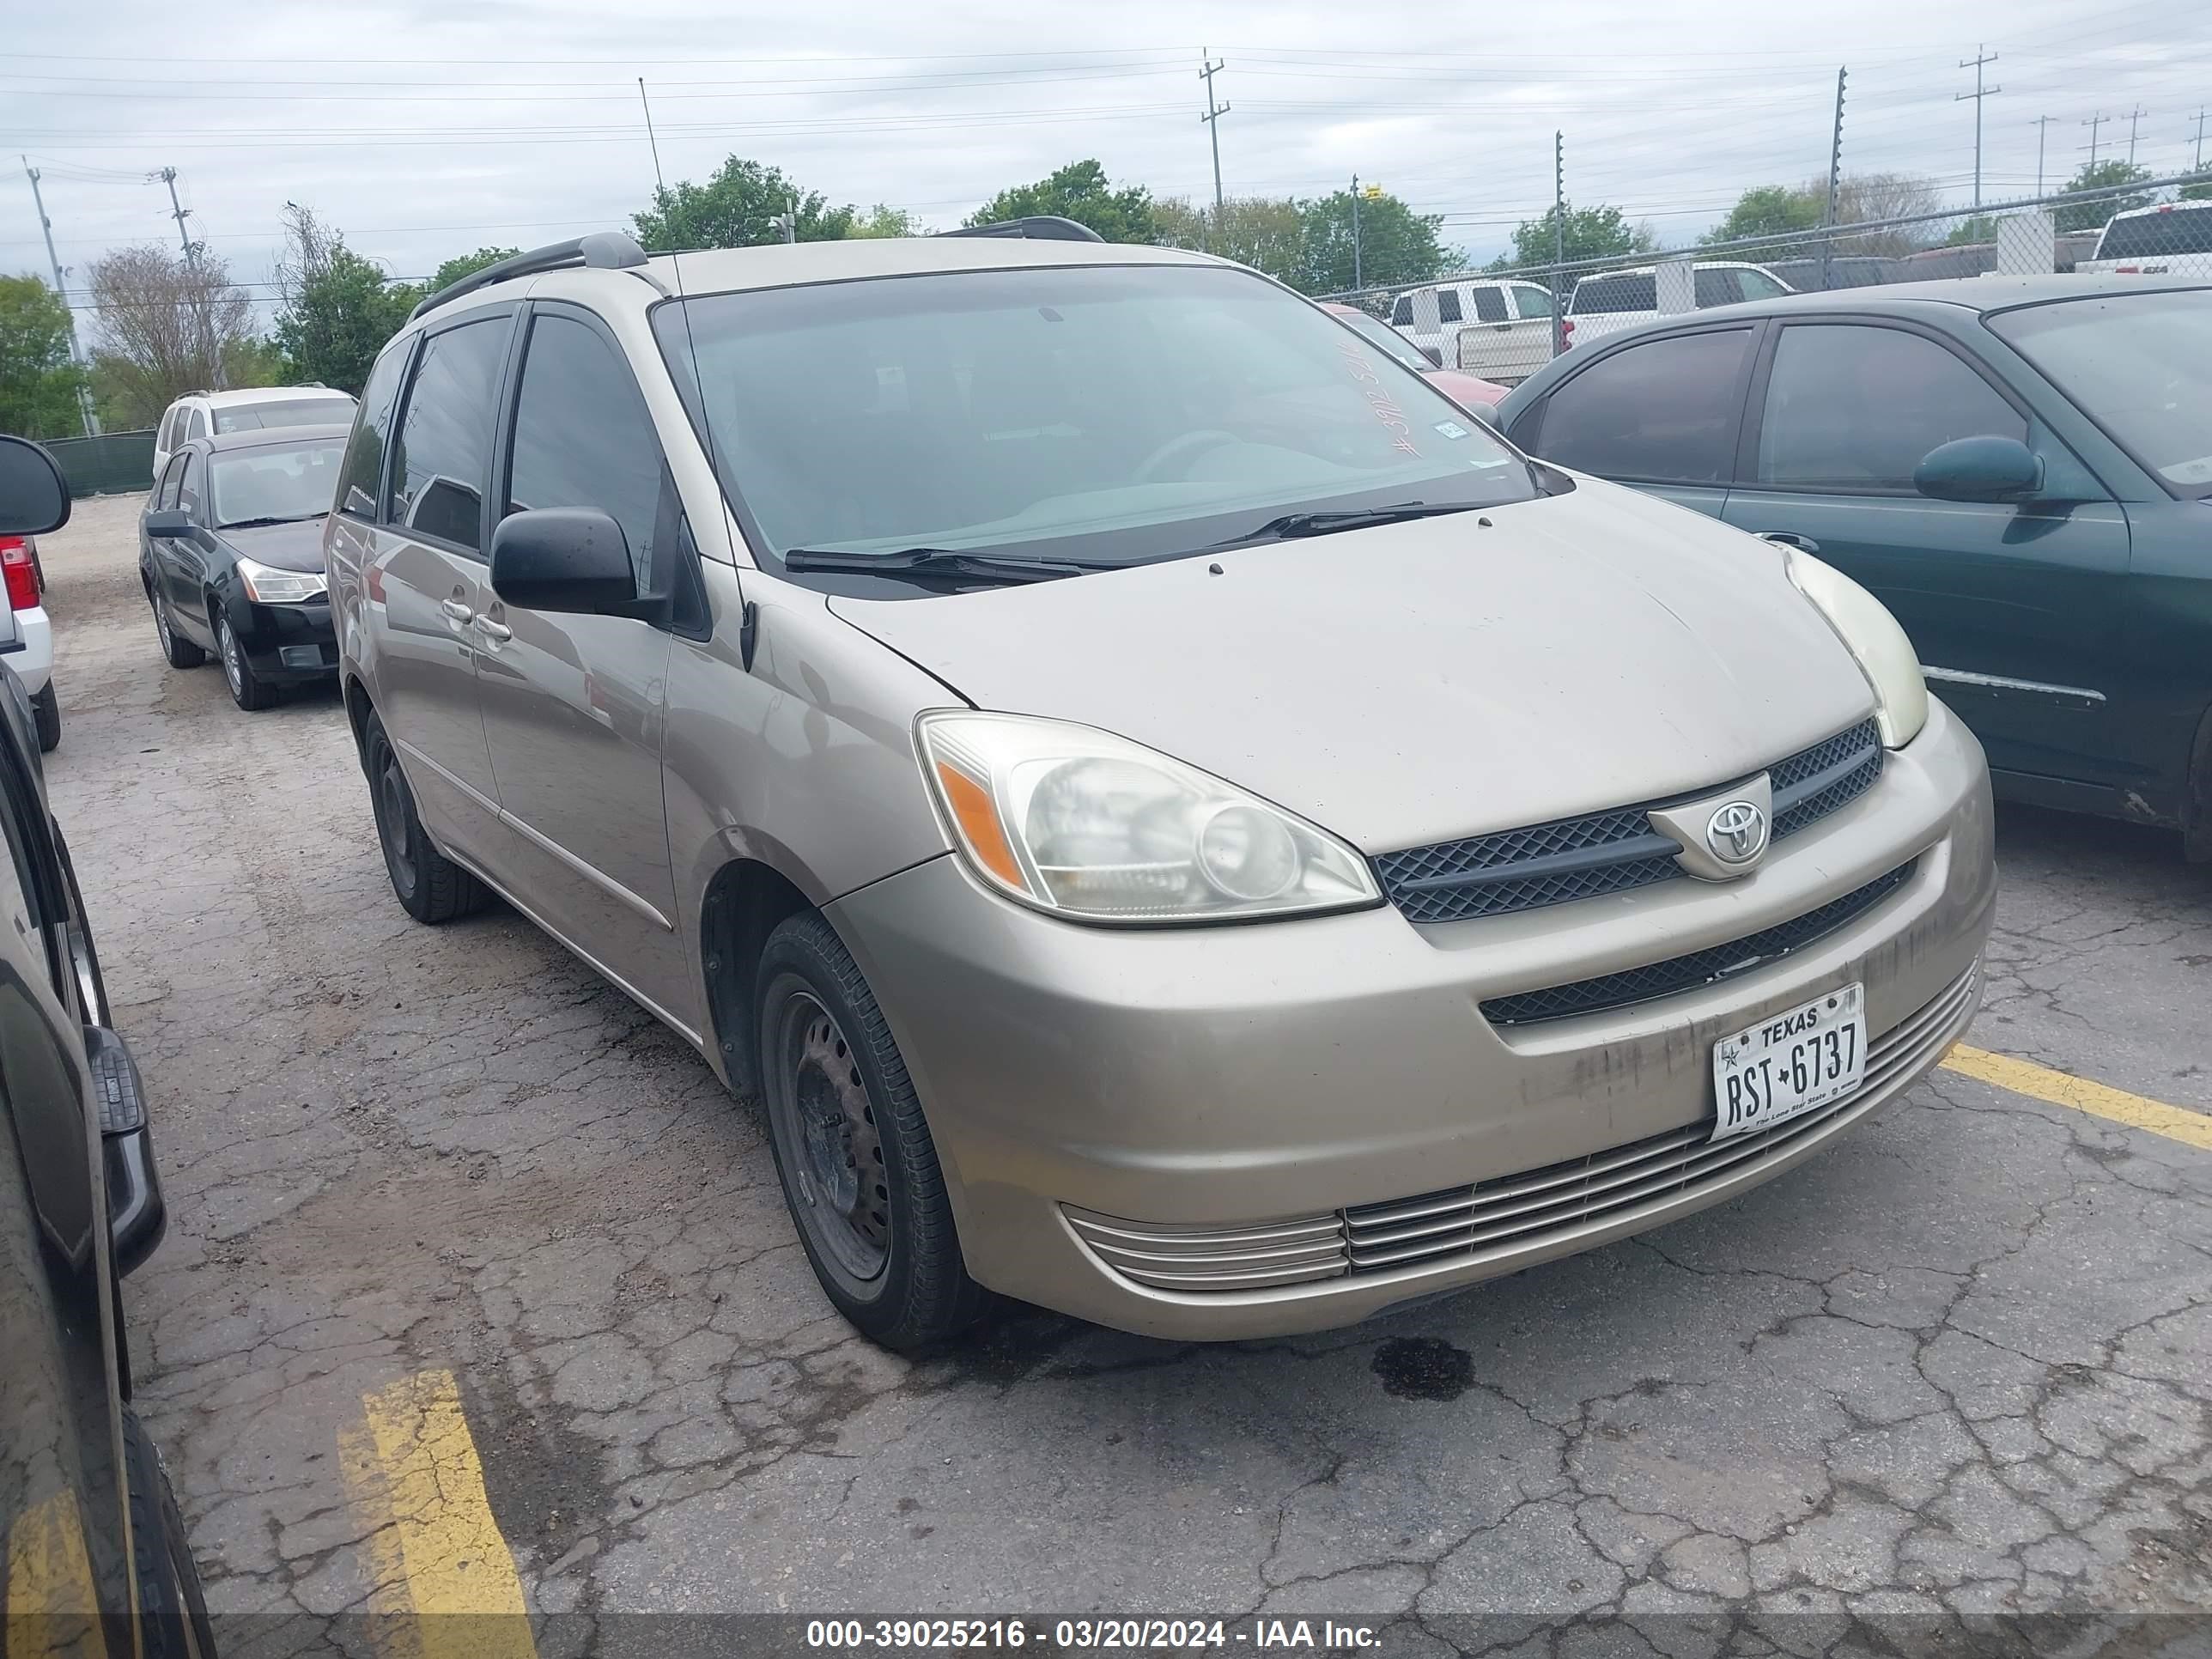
(1614, 299)
(200, 414)
(1500, 330)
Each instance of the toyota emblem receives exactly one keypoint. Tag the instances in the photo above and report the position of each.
(1736, 832)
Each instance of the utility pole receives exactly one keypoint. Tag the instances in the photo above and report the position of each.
(61, 292)
(2135, 116)
(1835, 182)
(1559, 242)
(2092, 123)
(1209, 67)
(2042, 125)
(1981, 57)
(2199, 165)
(1356, 282)
(169, 176)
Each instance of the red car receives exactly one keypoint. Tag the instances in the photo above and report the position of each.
(1464, 389)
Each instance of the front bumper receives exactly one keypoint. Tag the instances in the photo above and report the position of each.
(286, 643)
(1227, 1095)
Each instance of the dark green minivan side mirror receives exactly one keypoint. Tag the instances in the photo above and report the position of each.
(34, 497)
(1979, 469)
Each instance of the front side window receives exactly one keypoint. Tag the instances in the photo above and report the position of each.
(1714, 288)
(1534, 301)
(2140, 365)
(283, 483)
(189, 483)
(1489, 305)
(583, 438)
(441, 455)
(334, 411)
(1401, 314)
(372, 433)
(171, 424)
(1850, 407)
(1664, 412)
(1758, 285)
(172, 481)
(1116, 414)
(195, 424)
(1447, 305)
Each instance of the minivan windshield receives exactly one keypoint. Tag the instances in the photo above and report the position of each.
(1099, 415)
(2138, 364)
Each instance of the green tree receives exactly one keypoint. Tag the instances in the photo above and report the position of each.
(1081, 192)
(1973, 231)
(2198, 191)
(1396, 244)
(39, 378)
(738, 207)
(1594, 232)
(169, 324)
(1771, 211)
(466, 264)
(880, 220)
(1267, 233)
(339, 309)
(2113, 176)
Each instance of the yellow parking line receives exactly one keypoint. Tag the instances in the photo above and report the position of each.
(412, 1471)
(2098, 1099)
(53, 1606)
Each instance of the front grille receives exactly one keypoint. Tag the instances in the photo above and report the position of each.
(1514, 1212)
(1510, 1213)
(1606, 852)
(1686, 973)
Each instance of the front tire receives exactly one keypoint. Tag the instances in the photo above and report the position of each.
(248, 690)
(173, 1615)
(46, 715)
(860, 1170)
(430, 886)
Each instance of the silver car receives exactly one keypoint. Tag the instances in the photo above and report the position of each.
(1172, 818)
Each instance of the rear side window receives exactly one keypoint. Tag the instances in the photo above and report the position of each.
(1534, 301)
(1401, 314)
(170, 421)
(1714, 288)
(1664, 411)
(441, 453)
(583, 438)
(372, 432)
(1489, 305)
(1596, 296)
(1447, 305)
(1850, 407)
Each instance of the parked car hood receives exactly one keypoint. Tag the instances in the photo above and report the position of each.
(283, 546)
(1425, 680)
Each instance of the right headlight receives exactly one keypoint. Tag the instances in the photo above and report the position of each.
(1884, 655)
(1086, 824)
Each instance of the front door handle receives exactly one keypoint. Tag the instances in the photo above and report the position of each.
(1791, 539)
(495, 632)
(456, 609)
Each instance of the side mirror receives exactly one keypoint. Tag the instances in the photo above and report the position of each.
(1979, 469)
(169, 521)
(34, 497)
(1487, 413)
(563, 558)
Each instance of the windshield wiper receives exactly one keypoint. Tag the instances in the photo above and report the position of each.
(938, 562)
(256, 524)
(1291, 525)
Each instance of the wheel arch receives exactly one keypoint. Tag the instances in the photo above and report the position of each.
(744, 902)
(2196, 796)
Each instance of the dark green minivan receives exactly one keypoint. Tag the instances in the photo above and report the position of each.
(2018, 467)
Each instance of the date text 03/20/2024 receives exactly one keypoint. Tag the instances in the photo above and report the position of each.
(1133, 1634)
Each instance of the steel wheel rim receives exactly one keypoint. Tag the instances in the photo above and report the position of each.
(837, 1151)
(391, 822)
(234, 665)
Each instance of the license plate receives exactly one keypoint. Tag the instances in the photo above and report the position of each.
(1790, 1063)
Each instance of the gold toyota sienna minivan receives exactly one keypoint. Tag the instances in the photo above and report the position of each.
(1173, 819)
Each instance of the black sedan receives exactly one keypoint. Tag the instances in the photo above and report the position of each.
(230, 549)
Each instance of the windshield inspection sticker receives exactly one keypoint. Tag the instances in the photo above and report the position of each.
(1452, 428)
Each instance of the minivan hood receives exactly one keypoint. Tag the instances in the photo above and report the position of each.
(1421, 681)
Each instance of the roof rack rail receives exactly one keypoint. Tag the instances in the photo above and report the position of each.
(603, 250)
(1037, 227)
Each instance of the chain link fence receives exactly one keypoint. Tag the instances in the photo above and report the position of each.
(113, 463)
(1504, 324)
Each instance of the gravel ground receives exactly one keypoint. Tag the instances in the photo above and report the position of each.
(1958, 1365)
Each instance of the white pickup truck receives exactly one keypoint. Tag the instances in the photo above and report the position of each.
(2171, 239)
(1499, 331)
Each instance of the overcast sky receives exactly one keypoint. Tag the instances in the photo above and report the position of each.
(427, 130)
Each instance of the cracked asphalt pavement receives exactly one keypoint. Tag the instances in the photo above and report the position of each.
(1959, 1365)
